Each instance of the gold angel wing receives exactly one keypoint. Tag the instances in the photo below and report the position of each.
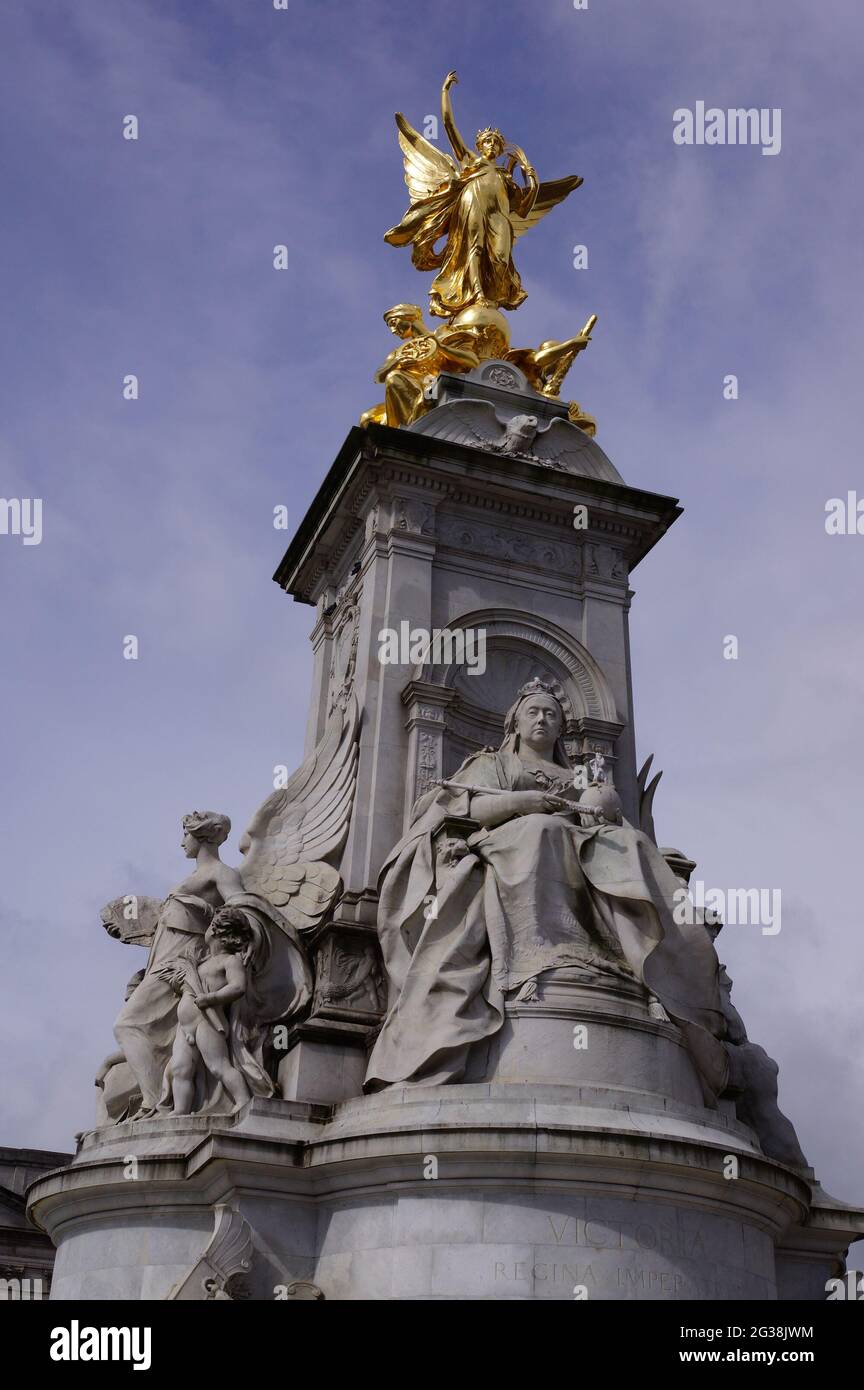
(548, 196)
(426, 168)
(301, 826)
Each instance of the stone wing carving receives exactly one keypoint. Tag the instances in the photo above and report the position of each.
(224, 1262)
(474, 423)
(301, 826)
(567, 447)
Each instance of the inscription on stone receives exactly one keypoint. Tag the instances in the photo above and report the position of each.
(626, 1235)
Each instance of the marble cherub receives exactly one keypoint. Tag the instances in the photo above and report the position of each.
(215, 1041)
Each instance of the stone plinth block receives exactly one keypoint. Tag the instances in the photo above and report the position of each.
(578, 1030)
(469, 1192)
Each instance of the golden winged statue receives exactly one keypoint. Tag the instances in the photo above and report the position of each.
(476, 205)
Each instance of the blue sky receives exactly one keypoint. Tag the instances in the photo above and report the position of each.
(260, 127)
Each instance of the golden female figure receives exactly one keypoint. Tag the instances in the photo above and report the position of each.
(477, 206)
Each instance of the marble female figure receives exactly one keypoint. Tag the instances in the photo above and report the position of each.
(147, 1022)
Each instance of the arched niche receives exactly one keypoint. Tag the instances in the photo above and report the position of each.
(453, 712)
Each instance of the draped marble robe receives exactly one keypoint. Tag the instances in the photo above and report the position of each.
(536, 893)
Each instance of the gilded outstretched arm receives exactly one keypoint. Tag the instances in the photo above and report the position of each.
(460, 149)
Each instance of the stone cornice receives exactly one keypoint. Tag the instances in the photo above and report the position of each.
(385, 459)
(487, 1136)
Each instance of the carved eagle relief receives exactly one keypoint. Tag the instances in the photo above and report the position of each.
(560, 444)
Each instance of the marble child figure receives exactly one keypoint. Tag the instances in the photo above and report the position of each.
(210, 1033)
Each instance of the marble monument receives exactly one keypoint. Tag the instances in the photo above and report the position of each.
(442, 1034)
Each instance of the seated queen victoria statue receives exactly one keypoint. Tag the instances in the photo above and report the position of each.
(532, 890)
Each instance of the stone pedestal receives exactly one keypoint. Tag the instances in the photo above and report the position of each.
(325, 1055)
(325, 1061)
(598, 1175)
(462, 1192)
(581, 1030)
